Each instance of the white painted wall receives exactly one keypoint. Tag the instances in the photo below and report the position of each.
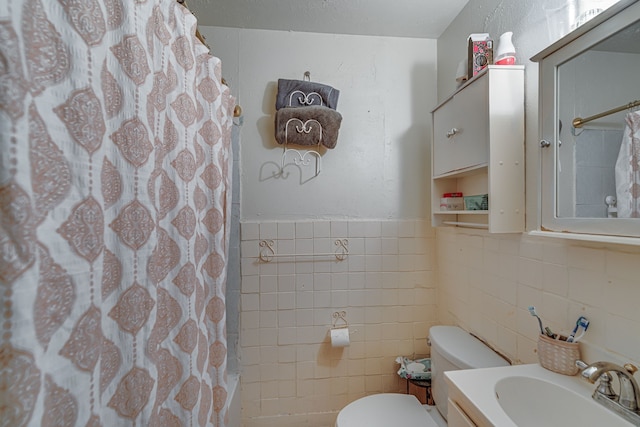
(379, 168)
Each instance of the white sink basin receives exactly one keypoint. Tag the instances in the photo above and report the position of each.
(528, 396)
(532, 402)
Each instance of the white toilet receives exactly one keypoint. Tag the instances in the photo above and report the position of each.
(451, 349)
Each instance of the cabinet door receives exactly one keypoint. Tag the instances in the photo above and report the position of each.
(461, 129)
(457, 417)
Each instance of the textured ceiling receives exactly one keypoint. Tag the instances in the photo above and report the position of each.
(392, 18)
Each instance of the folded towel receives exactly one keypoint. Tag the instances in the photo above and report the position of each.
(308, 126)
(414, 369)
(302, 93)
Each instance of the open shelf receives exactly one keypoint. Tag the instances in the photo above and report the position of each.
(461, 213)
(461, 173)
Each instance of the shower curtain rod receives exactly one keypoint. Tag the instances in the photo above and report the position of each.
(579, 122)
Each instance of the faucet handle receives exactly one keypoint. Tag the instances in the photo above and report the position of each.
(604, 386)
(604, 381)
(585, 370)
(631, 368)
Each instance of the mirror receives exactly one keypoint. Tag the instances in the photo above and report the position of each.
(589, 112)
(601, 81)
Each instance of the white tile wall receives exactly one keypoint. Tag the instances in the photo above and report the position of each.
(563, 280)
(596, 153)
(291, 375)
(400, 278)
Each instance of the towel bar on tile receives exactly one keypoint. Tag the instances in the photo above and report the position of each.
(267, 253)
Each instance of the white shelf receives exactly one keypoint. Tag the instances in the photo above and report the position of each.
(466, 224)
(470, 171)
(461, 213)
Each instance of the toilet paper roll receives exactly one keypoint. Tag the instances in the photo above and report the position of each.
(339, 337)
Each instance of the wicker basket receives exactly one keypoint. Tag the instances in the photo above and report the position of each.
(558, 355)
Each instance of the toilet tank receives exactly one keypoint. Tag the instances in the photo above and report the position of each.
(453, 349)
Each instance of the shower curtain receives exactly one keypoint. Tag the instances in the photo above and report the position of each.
(628, 169)
(114, 216)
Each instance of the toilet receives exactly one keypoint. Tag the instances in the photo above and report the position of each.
(451, 349)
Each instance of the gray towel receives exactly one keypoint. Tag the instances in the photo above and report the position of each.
(302, 93)
(308, 126)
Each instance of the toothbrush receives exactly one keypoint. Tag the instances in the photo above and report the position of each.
(572, 336)
(550, 333)
(584, 324)
(532, 310)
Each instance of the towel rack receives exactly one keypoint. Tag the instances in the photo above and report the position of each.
(300, 158)
(267, 253)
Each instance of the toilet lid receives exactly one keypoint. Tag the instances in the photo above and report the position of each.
(384, 410)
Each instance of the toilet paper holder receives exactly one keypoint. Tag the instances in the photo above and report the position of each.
(339, 333)
(339, 316)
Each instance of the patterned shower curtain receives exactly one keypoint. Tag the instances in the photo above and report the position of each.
(114, 216)
(628, 169)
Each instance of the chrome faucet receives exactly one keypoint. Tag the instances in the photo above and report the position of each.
(627, 403)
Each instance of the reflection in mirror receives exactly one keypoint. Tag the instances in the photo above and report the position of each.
(598, 129)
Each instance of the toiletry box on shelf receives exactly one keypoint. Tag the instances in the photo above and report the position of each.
(478, 149)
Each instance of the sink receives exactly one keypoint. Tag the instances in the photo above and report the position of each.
(527, 396)
(534, 402)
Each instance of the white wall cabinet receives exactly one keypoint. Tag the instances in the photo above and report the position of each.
(478, 148)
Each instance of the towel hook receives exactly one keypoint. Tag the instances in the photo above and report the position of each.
(307, 76)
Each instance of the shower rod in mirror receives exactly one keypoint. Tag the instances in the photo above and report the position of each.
(578, 122)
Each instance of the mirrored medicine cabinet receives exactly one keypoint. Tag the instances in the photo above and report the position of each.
(589, 113)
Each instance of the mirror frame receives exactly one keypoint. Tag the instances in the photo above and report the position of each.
(609, 22)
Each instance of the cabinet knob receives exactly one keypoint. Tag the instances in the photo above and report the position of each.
(452, 132)
(544, 143)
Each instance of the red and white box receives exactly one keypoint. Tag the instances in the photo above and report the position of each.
(479, 54)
